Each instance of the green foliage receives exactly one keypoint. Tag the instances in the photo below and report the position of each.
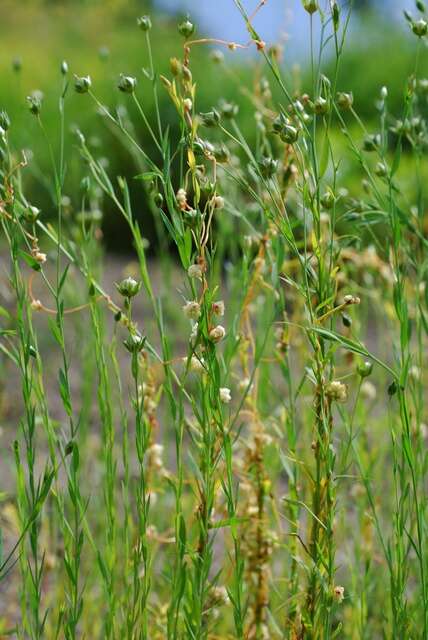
(229, 440)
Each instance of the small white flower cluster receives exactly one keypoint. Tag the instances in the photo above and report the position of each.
(155, 456)
(339, 594)
(192, 309)
(181, 198)
(350, 299)
(195, 271)
(225, 395)
(337, 391)
(217, 333)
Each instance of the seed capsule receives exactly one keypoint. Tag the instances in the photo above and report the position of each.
(82, 84)
(186, 28)
(30, 214)
(371, 142)
(381, 170)
(345, 100)
(321, 106)
(420, 28)
(289, 134)
(311, 6)
(134, 343)
(364, 369)
(144, 23)
(126, 84)
(128, 288)
(210, 119)
(268, 167)
(35, 103)
(279, 123)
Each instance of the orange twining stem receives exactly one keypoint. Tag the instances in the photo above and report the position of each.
(41, 307)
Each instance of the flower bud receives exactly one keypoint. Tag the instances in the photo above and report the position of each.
(229, 110)
(158, 200)
(268, 167)
(311, 6)
(64, 68)
(210, 119)
(82, 84)
(186, 28)
(335, 13)
(128, 288)
(35, 103)
(134, 343)
(289, 134)
(346, 320)
(30, 214)
(345, 100)
(420, 6)
(279, 123)
(126, 84)
(221, 153)
(364, 369)
(371, 142)
(392, 389)
(144, 23)
(321, 106)
(381, 170)
(420, 28)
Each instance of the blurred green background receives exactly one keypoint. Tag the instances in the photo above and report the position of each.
(101, 38)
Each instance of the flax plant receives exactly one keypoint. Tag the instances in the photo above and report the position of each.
(233, 455)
